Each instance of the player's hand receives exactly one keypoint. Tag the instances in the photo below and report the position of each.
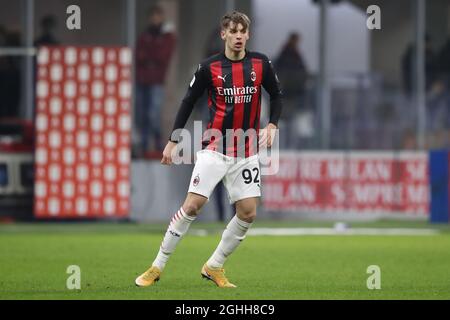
(266, 135)
(167, 153)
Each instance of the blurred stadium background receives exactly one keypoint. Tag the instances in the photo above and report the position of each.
(364, 135)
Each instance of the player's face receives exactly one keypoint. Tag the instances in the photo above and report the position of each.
(235, 37)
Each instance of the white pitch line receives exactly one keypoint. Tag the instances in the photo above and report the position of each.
(349, 231)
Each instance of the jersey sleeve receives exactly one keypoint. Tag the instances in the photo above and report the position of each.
(196, 88)
(272, 85)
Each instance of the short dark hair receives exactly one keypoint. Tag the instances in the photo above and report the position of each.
(236, 17)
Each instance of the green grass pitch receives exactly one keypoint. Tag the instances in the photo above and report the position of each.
(34, 259)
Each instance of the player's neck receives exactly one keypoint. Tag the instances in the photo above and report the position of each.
(234, 55)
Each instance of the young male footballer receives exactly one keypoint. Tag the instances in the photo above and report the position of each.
(233, 80)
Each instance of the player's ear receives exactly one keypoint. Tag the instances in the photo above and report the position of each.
(222, 34)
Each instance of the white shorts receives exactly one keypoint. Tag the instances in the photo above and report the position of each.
(241, 177)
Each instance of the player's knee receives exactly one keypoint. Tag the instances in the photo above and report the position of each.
(251, 216)
(247, 215)
(246, 211)
(192, 208)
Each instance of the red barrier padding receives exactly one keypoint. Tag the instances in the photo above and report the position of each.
(83, 104)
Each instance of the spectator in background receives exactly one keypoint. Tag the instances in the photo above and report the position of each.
(442, 80)
(4, 66)
(291, 67)
(293, 75)
(9, 75)
(214, 43)
(154, 50)
(49, 23)
(2, 36)
(438, 101)
(443, 60)
(408, 66)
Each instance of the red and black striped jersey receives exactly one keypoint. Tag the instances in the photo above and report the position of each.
(234, 101)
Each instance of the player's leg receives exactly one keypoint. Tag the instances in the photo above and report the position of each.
(243, 187)
(235, 231)
(178, 226)
(208, 171)
(231, 238)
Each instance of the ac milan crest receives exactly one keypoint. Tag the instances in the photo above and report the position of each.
(253, 75)
(196, 180)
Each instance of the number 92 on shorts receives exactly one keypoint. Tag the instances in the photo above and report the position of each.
(241, 176)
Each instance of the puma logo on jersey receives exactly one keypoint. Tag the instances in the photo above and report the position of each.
(223, 78)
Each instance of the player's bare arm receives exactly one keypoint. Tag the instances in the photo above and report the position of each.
(267, 135)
